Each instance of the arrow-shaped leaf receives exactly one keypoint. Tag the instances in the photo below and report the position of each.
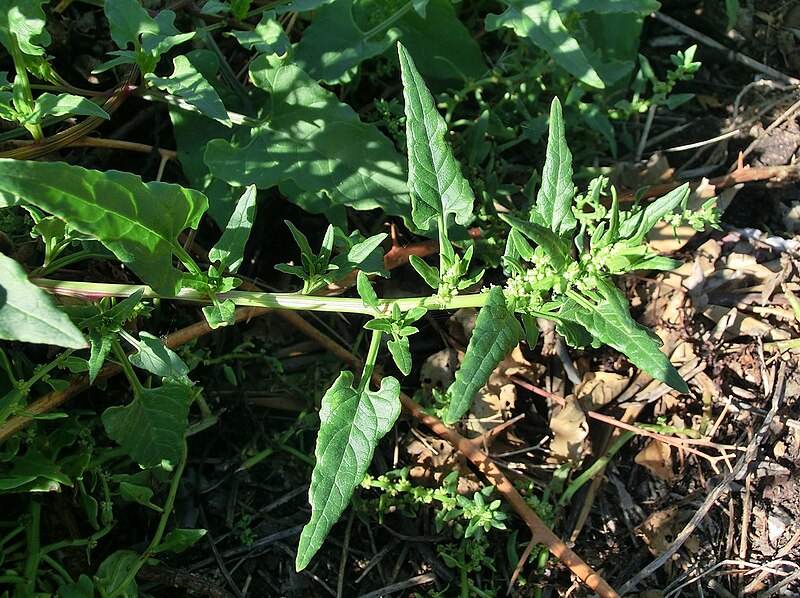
(553, 207)
(152, 427)
(438, 187)
(139, 222)
(497, 331)
(352, 423)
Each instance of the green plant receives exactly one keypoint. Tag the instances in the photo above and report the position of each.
(284, 134)
(560, 257)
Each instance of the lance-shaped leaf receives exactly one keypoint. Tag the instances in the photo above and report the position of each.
(633, 229)
(540, 23)
(152, 427)
(553, 207)
(497, 331)
(28, 314)
(553, 245)
(313, 140)
(610, 323)
(139, 222)
(352, 423)
(438, 187)
(229, 250)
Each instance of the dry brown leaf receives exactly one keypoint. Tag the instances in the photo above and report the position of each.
(657, 457)
(599, 389)
(570, 429)
(439, 370)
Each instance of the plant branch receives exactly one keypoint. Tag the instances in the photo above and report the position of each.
(540, 532)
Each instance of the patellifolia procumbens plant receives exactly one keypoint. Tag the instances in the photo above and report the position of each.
(559, 261)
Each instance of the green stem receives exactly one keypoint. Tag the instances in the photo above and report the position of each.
(62, 262)
(126, 366)
(290, 301)
(594, 469)
(369, 363)
(34, 553)
(23, 98)
(162, 526)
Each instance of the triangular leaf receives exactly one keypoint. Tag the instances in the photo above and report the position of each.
(438, 187)
(155, 357)
(25, 20)
(352, 423)
(313, 140)
(188, 83)
(28, 314)
(496, 332)
(151, 428)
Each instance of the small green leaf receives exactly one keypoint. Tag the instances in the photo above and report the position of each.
(553, 245)
(151, 428)
(138, 494)
(229, 250)
(366, 292)
(191, 86)
(220, 314)
(48, 104)
(531, 330)
(179, 540)
(155, 357)
(553, 207)
(28, 314)
(127, 19)
(634, 228)
(114, 570)
(611, 324)
(100, 345)
(268, 37)
(540, 24)
(496, 332)
(24, 19)
(438, 187)
(352, 423)
(365, 255)
(429, 274)
(401, 354)
(139, 222)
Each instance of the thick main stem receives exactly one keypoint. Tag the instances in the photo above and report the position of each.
(290, 301)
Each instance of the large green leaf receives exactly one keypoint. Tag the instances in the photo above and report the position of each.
(445, 51)
(333, 45)
(497, 331)
(438, 187)
(610, 323)
(641, 7)
(28, 314)
(188, 83)
(152, 427)
(127, 19)
(24, 19)
(553, 207)
(314, 141)
(267, 38)
(138, 221)
(540, 23)
(352, 423)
